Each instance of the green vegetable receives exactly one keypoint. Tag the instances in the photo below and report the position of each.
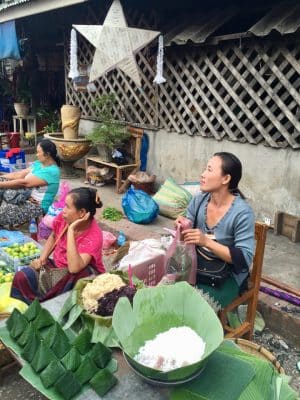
(156, 310)
(112, 214)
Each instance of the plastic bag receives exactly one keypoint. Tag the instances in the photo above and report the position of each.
(44, 231)
(7, 303)
(140, 252)
(8, 238)
(48, 220)
(181, 260)
(139, 207)
(57, 207)
(63, 190)
(108, 239)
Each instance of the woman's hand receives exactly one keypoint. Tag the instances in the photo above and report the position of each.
(79, 223)
(194, 236)
(183, 222)
(37, 263)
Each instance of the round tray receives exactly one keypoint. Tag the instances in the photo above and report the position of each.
(259, 351)
(161, 383)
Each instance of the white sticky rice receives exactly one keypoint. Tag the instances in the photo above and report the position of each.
(172, 349)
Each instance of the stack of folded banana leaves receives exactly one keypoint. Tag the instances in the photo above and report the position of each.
(64, 365)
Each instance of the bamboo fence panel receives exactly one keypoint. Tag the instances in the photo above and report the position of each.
(246, 93)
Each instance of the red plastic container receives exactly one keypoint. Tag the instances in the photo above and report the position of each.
(14, 139)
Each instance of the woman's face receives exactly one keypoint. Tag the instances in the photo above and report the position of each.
(41, 156)
(212, 178)
(70, 212)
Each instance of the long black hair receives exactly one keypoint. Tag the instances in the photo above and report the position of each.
(49, 148)
(232, 166)
(86, 198)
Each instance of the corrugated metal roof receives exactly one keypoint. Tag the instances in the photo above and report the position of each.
(198, 28)
(284, 18)
(16, 9)
(12, 3)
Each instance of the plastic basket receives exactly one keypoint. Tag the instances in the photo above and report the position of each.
(19, 263)
(150, 271)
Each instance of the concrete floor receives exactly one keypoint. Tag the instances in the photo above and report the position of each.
(282, 256)
(281, 262)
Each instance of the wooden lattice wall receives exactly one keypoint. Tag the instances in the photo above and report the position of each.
(245, 92)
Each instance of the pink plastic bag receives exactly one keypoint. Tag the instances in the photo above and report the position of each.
(63, 190)
(108, 239)
(181, 260)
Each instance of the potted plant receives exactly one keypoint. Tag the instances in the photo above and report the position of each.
(21, 92)
(109, 133)
(48, 121)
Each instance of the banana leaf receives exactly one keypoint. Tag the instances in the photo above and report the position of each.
(83, 341)
(57, 340)
(73, 315)
(33, 310)
(103, 381)
(158, 309)
(81, 284)
(43, 319)
(27, 333)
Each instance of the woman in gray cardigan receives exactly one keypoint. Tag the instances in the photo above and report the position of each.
(223, 225)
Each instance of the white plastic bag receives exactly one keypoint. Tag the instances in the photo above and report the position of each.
(141, 251)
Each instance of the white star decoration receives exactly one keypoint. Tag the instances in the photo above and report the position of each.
(115, 44)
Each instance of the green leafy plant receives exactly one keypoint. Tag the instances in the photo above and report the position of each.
(109, 132)
(52, 119)
(112, 214)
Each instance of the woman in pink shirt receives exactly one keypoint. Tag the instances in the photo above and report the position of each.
(77, 241)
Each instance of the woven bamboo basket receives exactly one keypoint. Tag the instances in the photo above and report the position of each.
(259, 351)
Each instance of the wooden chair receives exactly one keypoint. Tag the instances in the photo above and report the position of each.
(250, 296)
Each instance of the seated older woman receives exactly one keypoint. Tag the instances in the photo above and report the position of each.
(76, 242)
(28, 193)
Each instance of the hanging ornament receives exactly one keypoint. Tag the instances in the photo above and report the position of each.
(73, 56)
(115, 44)
(160, 61)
